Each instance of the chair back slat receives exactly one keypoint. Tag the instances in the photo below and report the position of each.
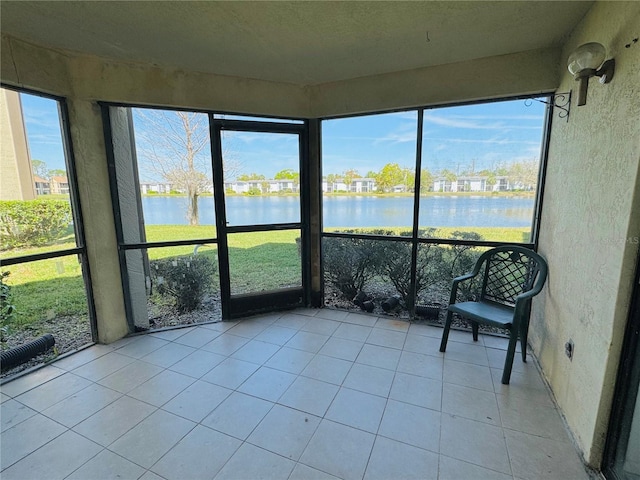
(508, 273)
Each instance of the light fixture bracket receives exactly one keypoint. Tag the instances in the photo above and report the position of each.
(606, 71)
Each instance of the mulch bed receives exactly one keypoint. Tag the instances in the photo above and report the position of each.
(163, 316)
(335, 299)
(72, 333)
(69, 332)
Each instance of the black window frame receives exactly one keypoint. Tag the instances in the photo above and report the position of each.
(231, 307)
(415, 239)
(74, 199)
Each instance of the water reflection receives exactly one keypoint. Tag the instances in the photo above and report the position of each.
(353, 211)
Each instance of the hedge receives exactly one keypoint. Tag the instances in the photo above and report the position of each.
(30, 223)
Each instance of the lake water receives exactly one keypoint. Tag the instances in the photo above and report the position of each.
(352, 211)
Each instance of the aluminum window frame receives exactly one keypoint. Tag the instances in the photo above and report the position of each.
(76, 209)
(415, 239)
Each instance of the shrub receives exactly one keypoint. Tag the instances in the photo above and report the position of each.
(461, 259)
(7, 309)
(395, 265)
(27, 223)
(349, 263)
(185, 279)
(253, 191)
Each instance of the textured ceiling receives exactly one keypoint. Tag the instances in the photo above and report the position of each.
(294, 42)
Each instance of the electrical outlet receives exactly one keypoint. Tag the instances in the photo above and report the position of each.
(568, 349)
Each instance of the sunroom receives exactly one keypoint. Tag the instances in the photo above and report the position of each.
(319, 135)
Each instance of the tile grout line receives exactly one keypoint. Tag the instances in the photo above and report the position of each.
(316, 355)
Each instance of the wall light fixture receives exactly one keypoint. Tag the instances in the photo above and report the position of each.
(587, 61)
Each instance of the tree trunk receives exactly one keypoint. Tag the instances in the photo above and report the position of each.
(192, 208)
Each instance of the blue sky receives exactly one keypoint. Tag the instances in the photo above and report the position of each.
(484, 135)
(43, 130)
(455, 138)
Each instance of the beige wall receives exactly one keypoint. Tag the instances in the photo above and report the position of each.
(590, 229)
(16, 177)
(95, 198)
(508, 75)
(92, 78)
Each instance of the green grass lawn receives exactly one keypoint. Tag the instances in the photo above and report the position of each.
(46, 289)
(258, 261)
(273, 254)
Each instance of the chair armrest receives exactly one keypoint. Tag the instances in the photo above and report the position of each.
(526, 296)
(468, 276)
(454, 285)
(521, 300)
(462, 278)
(537, 288)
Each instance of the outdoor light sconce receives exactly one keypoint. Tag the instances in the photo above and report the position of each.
(586, 61)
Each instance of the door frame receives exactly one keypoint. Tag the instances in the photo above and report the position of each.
(626, 389)
(234, 306)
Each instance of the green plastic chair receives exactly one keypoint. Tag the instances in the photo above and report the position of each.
(511, 277)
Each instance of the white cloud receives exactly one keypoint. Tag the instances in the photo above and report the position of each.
(472, 123)
(45, 139)
(496, 141)
(498, 117)
(397, 137)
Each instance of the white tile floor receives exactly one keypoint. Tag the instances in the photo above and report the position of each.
(309, 394)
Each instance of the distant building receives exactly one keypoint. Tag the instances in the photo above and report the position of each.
(43, 186)
(262, 186)
(59, 184)
(285, 185)
(155, 187)
(363, 185)
(471, 184)
(501, 185)
(338, 186)
(358, 185)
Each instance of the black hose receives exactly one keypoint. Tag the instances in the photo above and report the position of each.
(390, 304)
(428, 311)
(18, 355)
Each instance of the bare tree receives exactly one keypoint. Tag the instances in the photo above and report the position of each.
(524, 174)
(174, 145)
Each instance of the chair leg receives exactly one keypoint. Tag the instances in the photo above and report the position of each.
(508, 363)
(524, 332)
(445, 333)
(523, 345)
(474, 330)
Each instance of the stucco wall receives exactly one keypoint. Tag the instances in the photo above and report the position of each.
(95, 198)
(92, 78)
(81, 76)
(507, 75)
(590, 229)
